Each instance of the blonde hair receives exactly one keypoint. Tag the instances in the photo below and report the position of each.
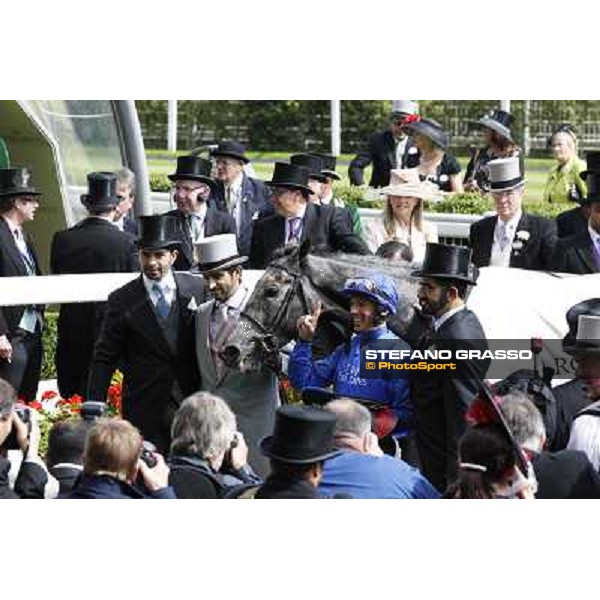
(389, 220)
(112, 447)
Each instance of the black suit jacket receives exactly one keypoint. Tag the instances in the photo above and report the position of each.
(92, 246)
(571, 398)
(216, 222)
(381, 151)
(441, 401)
(130, 225)
(255, 205)
(567, 474)
(156, 379)
(575, 254)
(327, 227)
(12, 265)
(571, 222)
(537, 253)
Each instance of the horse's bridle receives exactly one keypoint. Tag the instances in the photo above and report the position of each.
(269, 330)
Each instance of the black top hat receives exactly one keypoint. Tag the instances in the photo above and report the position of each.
(302, 435)
(16, 181)
(430, 129)
(158, 231)
(592, 177)
(587, 307)
(290, 176)
(443, 261)
(194, 168)
(499, 121)
(102, 192)
(232, 149)
(329, 164)
(312, 162)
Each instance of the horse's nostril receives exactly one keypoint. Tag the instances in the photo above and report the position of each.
(231, 356)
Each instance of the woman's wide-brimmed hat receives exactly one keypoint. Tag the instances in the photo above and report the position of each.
(444, 261)
(16, 181)
(406, 183)
(194, 168)
(102, 192)
(499, 121)
(294, 177)
(218, 252)
(302, 435)
(588, 337)
(430, 129)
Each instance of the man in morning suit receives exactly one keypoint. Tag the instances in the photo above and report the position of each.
(20, 326)
(441, 400)
(252, 396)
(196, 220)
(148, 333)
(296, 220)
(512, 238)
(580, 252)
(244, 198)
(94, 245)
(387, 150)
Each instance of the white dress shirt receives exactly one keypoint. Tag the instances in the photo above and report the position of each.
(167, 285)
(500, 257)
(198, 222)
(439, 322)
(300, 216)
(235, 199)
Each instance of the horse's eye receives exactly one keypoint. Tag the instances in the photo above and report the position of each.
(271, 291)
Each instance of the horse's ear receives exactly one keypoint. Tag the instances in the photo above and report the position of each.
(304, 250)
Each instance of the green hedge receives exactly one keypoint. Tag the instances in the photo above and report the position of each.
(48, 368)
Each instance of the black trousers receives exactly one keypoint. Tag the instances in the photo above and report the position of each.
(23, 372)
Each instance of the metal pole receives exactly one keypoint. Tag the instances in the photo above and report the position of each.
(172, 126)
(336, 127)
(134, 153)
(505, 105)
(526, 128)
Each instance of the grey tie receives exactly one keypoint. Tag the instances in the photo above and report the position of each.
(504, 239)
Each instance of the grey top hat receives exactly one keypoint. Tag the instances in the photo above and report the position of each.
(588, 337)
(404, 107)
(505, 174)
(218, 252)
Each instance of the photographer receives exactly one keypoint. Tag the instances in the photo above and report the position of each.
(113, 460)
(20, 431)
(208, 456)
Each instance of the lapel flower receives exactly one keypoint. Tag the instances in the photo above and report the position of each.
(521, 238)
(193, 305)
(523, 235)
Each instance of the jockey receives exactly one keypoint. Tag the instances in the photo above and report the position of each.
(372, 299)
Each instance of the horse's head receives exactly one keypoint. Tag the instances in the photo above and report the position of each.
(268, 320)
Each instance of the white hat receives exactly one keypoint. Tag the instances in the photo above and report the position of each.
(407, 107)
(504, 174)
(407, 183)
(218, 252)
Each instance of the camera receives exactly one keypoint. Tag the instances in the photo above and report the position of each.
(147, 455)
(90, 411)
(11, 443)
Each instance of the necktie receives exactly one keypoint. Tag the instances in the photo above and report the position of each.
(228, 198)
(294, 225)
(162, 306)
(24, 251)
(196, 227)
(504, 239)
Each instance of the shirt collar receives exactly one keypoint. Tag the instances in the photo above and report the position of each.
(201, 212)
(167, 283)
(237, 300)
(300, 214)
(439, 322)
(511, 224)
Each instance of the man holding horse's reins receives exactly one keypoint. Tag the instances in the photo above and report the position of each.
(372, 299)
(252, 396)
(441, 401)
(297, 220)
